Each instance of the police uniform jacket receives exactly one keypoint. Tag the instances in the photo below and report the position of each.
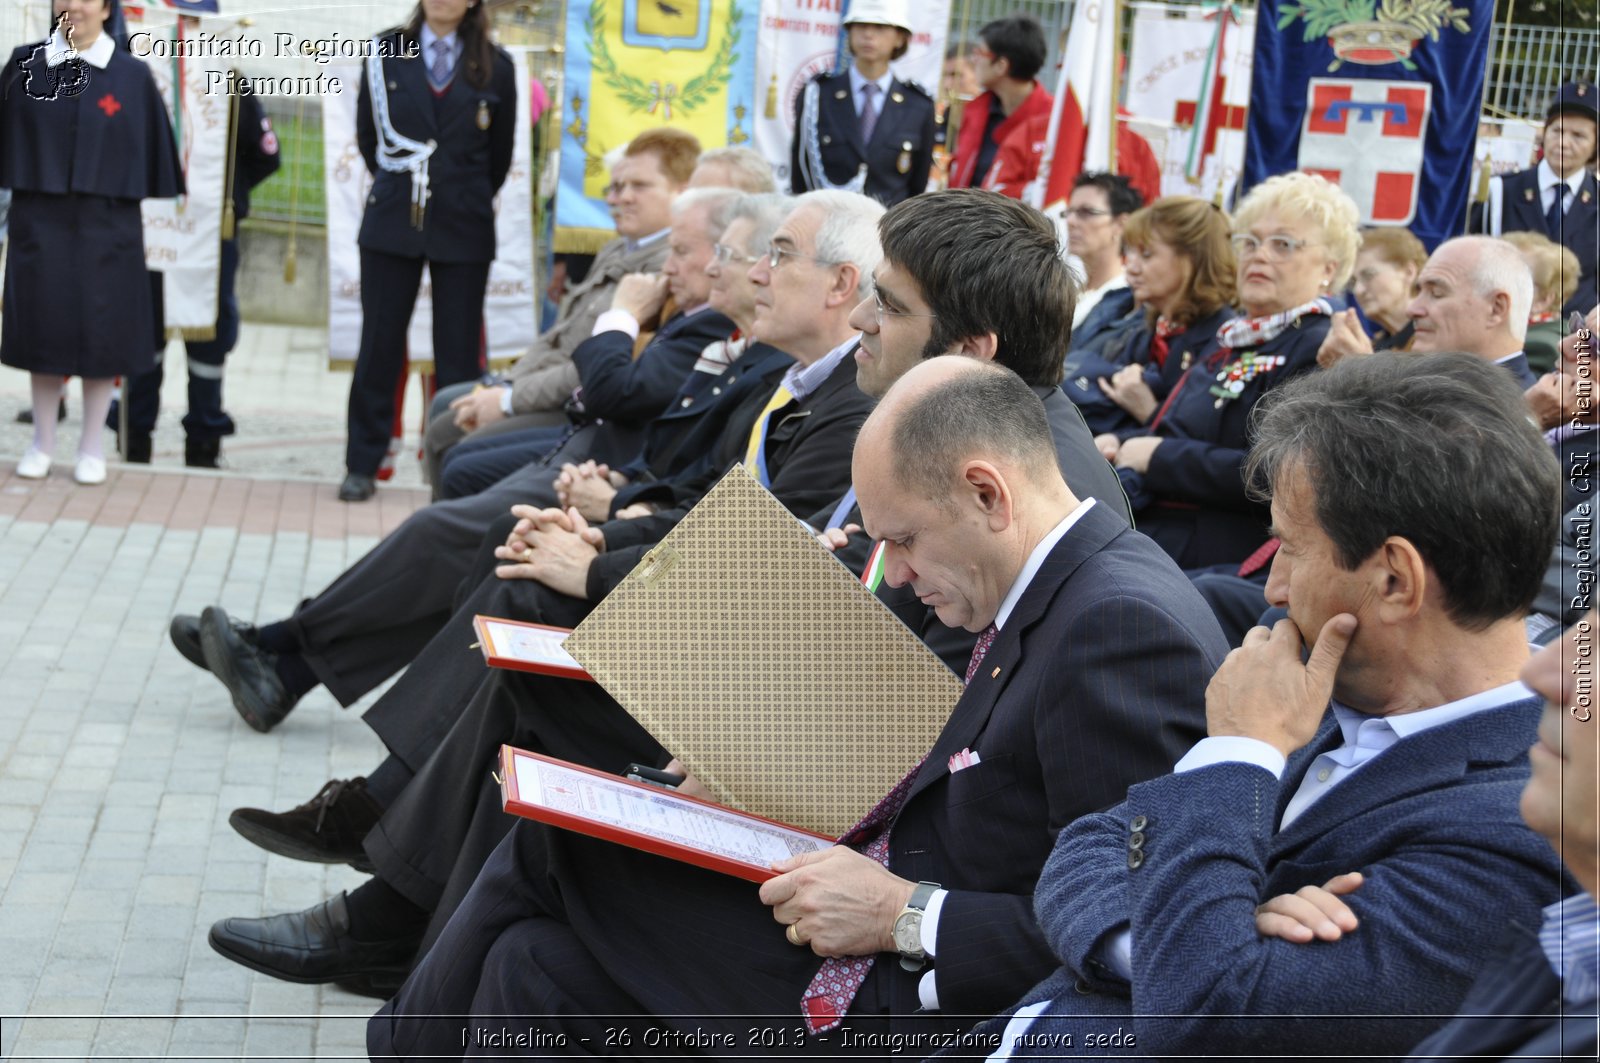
(80, 146)
(473, 129)
(899, 156)
(1192, 499)
(1522, 210)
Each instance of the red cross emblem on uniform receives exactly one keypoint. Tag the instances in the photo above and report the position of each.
(108, 103)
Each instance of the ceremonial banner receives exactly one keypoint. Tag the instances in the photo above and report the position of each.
(509, 305)
(1192, 75)
(1381, 98)
(634, 65)
(797, 42)
(1080, 121)
(183, 237)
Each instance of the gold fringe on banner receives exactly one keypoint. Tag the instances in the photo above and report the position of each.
(570, 240)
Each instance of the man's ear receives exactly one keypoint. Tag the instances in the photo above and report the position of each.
(1400, 581)
(846, 287)
(989, 490)
(1500, 308)
(982, 347)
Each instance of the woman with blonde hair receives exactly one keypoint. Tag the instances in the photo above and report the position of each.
(1555, 278)
(1179, 263)
(1295, 236)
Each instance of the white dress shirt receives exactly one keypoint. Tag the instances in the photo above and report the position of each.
(859, 98)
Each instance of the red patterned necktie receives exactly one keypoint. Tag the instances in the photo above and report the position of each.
(1259, 557)
(839, 979)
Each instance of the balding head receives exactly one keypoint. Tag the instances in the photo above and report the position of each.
(1473, 295)
(956, 471)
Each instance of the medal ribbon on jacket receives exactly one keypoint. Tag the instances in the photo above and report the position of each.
(396, 153)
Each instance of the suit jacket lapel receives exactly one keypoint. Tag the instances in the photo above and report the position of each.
(1435, 755)
(457, 102)
(842, 113)
(1093, 531)
(410, 77)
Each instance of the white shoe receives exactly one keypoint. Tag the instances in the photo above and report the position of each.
(35, 464)
(90, 470)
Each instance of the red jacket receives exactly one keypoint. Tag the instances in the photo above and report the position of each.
(1016, 164)
(975, 119)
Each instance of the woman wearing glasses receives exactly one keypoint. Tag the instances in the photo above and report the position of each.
(1180, 267)
(1295, 236)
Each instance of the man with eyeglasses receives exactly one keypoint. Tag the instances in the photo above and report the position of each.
(1096, 210)
(447, 712)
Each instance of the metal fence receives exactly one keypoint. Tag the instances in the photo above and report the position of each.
(1528, 63)
(295, 191)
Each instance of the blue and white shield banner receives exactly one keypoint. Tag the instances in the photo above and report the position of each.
(1381, 96)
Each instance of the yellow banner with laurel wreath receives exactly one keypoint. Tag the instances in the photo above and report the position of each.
(633, 65)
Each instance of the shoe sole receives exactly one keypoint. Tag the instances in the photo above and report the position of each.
(279, 845)
(222, 667)
(242, 960)
(188, 648)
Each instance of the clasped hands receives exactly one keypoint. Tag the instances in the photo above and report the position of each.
(478, 407)
(553, 546)
(589, 488)
(1127, 389)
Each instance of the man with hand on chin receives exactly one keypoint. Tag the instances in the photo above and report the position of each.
(1415, 504)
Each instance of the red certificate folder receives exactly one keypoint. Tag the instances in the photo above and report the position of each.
(527, 647)
(647, 817)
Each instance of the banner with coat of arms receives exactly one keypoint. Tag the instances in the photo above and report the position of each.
(1380, 96)
(799, 39)
(634, 65)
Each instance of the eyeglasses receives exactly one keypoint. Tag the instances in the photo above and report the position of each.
(883, 311)
(1273, 248)
(776, 255)
(1088, 213)
(724, 253)
(980, 52)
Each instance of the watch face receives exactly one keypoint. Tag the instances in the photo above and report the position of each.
(908, 933)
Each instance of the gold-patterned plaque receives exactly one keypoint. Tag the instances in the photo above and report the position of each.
(780, 681)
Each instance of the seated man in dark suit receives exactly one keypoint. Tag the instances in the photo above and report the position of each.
(1092, 650)
(452, 714)
(1537, 997)
(1415, 504)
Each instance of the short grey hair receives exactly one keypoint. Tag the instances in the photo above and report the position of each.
(752, 172)
(1500, 267)
(718, 203)
(984, 411)
(765, 213)
(849, 231)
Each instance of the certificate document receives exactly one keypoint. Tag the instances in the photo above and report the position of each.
(648, 817)
(527, 647)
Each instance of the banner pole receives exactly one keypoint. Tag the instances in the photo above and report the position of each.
(1116, 83)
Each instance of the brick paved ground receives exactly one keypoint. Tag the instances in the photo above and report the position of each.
(120, 761)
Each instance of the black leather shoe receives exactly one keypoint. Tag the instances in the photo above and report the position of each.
(248, 671)
(325, 830)
(311, 946)
(376, 986)
(138, 449)
(357, 488)
(185, 634)
(202, 453)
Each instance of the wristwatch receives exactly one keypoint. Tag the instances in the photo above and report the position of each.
(908, 926)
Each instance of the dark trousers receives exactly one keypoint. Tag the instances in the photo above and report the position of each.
(389, 286)
(382, 611)
(206, 419)
(474, 465)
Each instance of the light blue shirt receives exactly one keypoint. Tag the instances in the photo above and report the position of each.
(802, 380)
(452, 44)
(859, 98)
(1570, 938)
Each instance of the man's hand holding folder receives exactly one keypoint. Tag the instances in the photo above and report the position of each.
(837, 901)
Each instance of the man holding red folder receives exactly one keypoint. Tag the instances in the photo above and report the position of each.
(1092, 656)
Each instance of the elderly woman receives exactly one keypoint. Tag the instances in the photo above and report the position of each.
(1555, 279)
(1180, 267)
(1295, 236)
(1386, 273)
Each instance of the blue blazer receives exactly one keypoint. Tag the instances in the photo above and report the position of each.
(1433, 825)
(1193, 344)
(1514, 1010)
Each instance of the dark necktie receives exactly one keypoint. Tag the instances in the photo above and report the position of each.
(839, 979)
(1552, 217)
(439, 73)
(869, 111)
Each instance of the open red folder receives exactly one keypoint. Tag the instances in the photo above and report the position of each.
(647, 817)
(527, 647)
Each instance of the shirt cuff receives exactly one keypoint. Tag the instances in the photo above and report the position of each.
(505, 399)
(927, 988)
(616, 321)
(1232, 749)
(1118, 954)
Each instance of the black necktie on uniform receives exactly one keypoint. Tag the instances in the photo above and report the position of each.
(1552, 217)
